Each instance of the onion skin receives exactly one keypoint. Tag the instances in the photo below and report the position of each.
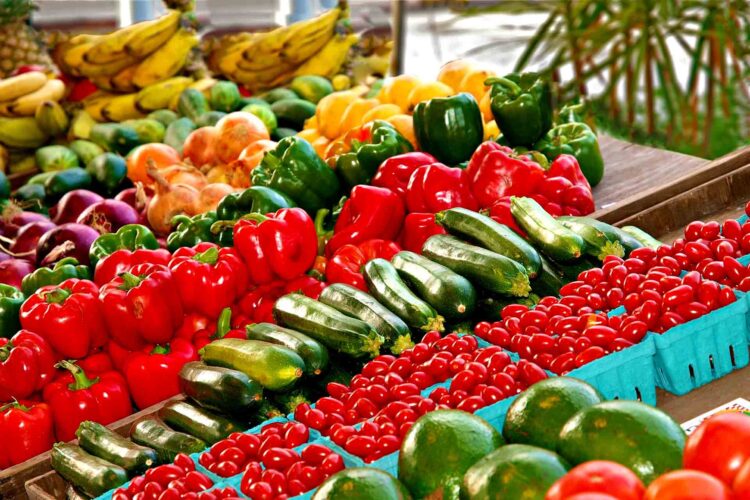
(67, 240)
(72, 204)
(108, 216)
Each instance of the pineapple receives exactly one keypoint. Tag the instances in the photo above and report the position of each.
(20, 43)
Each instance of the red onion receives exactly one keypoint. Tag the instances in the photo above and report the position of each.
(27, 238)
(13, 219)
(108, 216)
(72, 204)
(67, 240)
(12, 271)
(137, 197)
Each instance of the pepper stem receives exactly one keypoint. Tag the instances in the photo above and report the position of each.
(221, 225)
(255, 217)
(5, 352)
(14, 404)
(80, 380)
(160, 349)
(129, 280)
(56, 296)
(510, 85)
(223, 325)
(210, 256)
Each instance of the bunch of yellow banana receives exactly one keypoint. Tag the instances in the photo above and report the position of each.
(21, 95)
(261, 61)
(130, 58)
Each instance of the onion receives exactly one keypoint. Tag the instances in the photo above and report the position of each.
(12, 271)
(72, 204)
(67, 240)
(137, 197)
(13, 218)
(169, 200)
(24, 246)
(109, 215)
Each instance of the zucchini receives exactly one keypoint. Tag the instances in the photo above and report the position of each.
(114, 137)
(490, 234)
(92, 475)
(390, 290)
(328, 326)
(168, 444)
(198, 422)
(549, 280)
(358, 304)
(571, 270)
(104, 443)
(275, 367)
(601, 238)
(491, 306)
(220, 389)
(641, 236)
(487, 269)
(452, 295)
(288, 401)
(554, 239)
(312, 352)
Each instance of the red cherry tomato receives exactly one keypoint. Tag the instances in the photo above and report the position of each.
(599, 476)
(719, 446)
(687, 485)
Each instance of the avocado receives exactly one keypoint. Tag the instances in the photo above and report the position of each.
(513, 472)
(633, 434)
(362, 483)
(278, 94)
(537, 414)
(282, 132)
(439, 449)
(292, 113)
(312, 88)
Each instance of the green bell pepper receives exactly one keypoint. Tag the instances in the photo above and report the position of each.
(522, 107)
(189, 231)
(255, 199)
(64, 269)
(11, 299)
(575, 139)
(295, 169)
(449, 128)
(360, 164)
(129, 236)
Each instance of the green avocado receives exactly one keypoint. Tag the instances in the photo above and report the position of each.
(278, 94)
(362, 483)
(312, 88)
(292, 113)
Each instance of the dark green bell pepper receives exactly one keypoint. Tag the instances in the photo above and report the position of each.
(129, 236)
(295, 169)
(360, 164)
(522, 107)
(449, 128)
(11, 299)
(575, 139)
(255, 199)
(64, 269)
(189, 231)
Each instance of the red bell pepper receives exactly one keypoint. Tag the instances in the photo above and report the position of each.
(282, 245)
(307, 285)
(192, 324)
(208, 278)
(26, 430)
(121, 261)
(369, 213)
(437, 187)
(68, 316)
(494, 171)
(395, 172)
(75, 397)
(97, 363)
(576, 199)
(417, 228)
(151, 373)
(118, 354)
(500, 212)
(346, 264)
(257, 304)
(223, 330)
(27, 364)
(142, 306)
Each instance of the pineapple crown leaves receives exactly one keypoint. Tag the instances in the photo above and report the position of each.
(14, 10)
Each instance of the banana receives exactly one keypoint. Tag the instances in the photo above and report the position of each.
(94, 104)
(4, 159)
(121, 108)
(159, 95)
(17, 86)
(154, 35)
(266, 78)
(328, 61)
(168, 60)
(53, 90)
(22, 133)
(72, 58)
(309, 42)
(123, 81)
(52, 118)
(204, 85)
(227, 59)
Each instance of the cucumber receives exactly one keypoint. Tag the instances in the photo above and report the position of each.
(487, 269)
(545, 232)
(92, 475)
(114, 137)
(104, 443)
(549, 280)
(601, 238)
(52, 158)
(109, 173)
(452, 295)
(192, 103)
(275, 367)
(571, 270)
(209, 119)
(490, 234)
(490, 307)
(219, 389)
(167, 443)
(65, 181)
(225, 96)
(312, 352)
(358, 304)
(390, 290)
(85, 150)
(177, 132)
(641, 236)
(148, 130)
(328, 326)
(165, 116)
(279, 94)
(198, 422)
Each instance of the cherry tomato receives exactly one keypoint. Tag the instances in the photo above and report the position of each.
(227, 468)
(687, 485)
(599, 476)
(170, 494)
(471, 404)
(259, 491)
(693, 230)
(195, 481)
(360, 445)
(563, 363)
(279, 458)
(589, 355)
(163, 474)
(513, 311)
(719, 446)
(332, 464)
(530, 373)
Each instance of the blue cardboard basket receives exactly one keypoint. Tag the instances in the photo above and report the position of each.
(495, 413)
(626, 374)
(704, 349)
